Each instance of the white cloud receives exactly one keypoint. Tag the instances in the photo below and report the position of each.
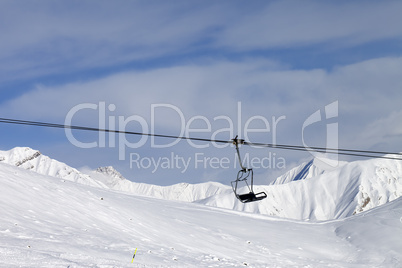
(52, 37)
(58, 36)
(299, 23)
(366, 91)
(385, 133)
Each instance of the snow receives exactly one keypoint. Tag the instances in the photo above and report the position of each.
(28, 158)
(313, 191)
(313, 168)
(180, 192)
(317, 193)
(52, 222)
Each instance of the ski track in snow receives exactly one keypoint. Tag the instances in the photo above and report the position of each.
(50, 222)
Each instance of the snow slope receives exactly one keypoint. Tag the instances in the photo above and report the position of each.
(107, 177)
(27, 158)
(325, 194)
(308, 170)
(48, 222)
(180, 192)
(311, 191)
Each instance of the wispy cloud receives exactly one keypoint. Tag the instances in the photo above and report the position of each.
(81, 35)
(366, 91)
(51, 37)
(295, 23)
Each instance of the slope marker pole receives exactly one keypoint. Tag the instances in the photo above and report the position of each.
(134, 255)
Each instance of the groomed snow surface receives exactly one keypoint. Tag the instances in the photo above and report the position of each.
(64, 220)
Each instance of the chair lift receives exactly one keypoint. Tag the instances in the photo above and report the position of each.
(242, 176)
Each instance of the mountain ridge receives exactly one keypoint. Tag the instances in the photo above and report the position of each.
(28, 158)
(310, 191)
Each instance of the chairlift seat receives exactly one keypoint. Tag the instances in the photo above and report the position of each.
(251, 197)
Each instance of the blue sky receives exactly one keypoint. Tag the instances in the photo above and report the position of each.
(276, 58)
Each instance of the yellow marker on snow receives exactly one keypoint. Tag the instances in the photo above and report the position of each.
(134, 254)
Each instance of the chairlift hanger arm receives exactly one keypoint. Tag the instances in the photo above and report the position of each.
(236, 142)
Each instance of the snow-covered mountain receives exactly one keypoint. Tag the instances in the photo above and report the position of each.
(180, 192)
(27, 158)
(108, 177)
(48, 222)
(307, 170)
(311, 191)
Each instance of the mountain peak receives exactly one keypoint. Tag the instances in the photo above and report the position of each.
(19, 156)
(110, 171)
(306, 170)
(30, 159)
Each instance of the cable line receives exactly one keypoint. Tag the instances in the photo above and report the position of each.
(320, 148)
(42, 124)
(350, 152)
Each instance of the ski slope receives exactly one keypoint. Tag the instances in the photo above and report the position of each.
(51, 222)
(313, 191)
